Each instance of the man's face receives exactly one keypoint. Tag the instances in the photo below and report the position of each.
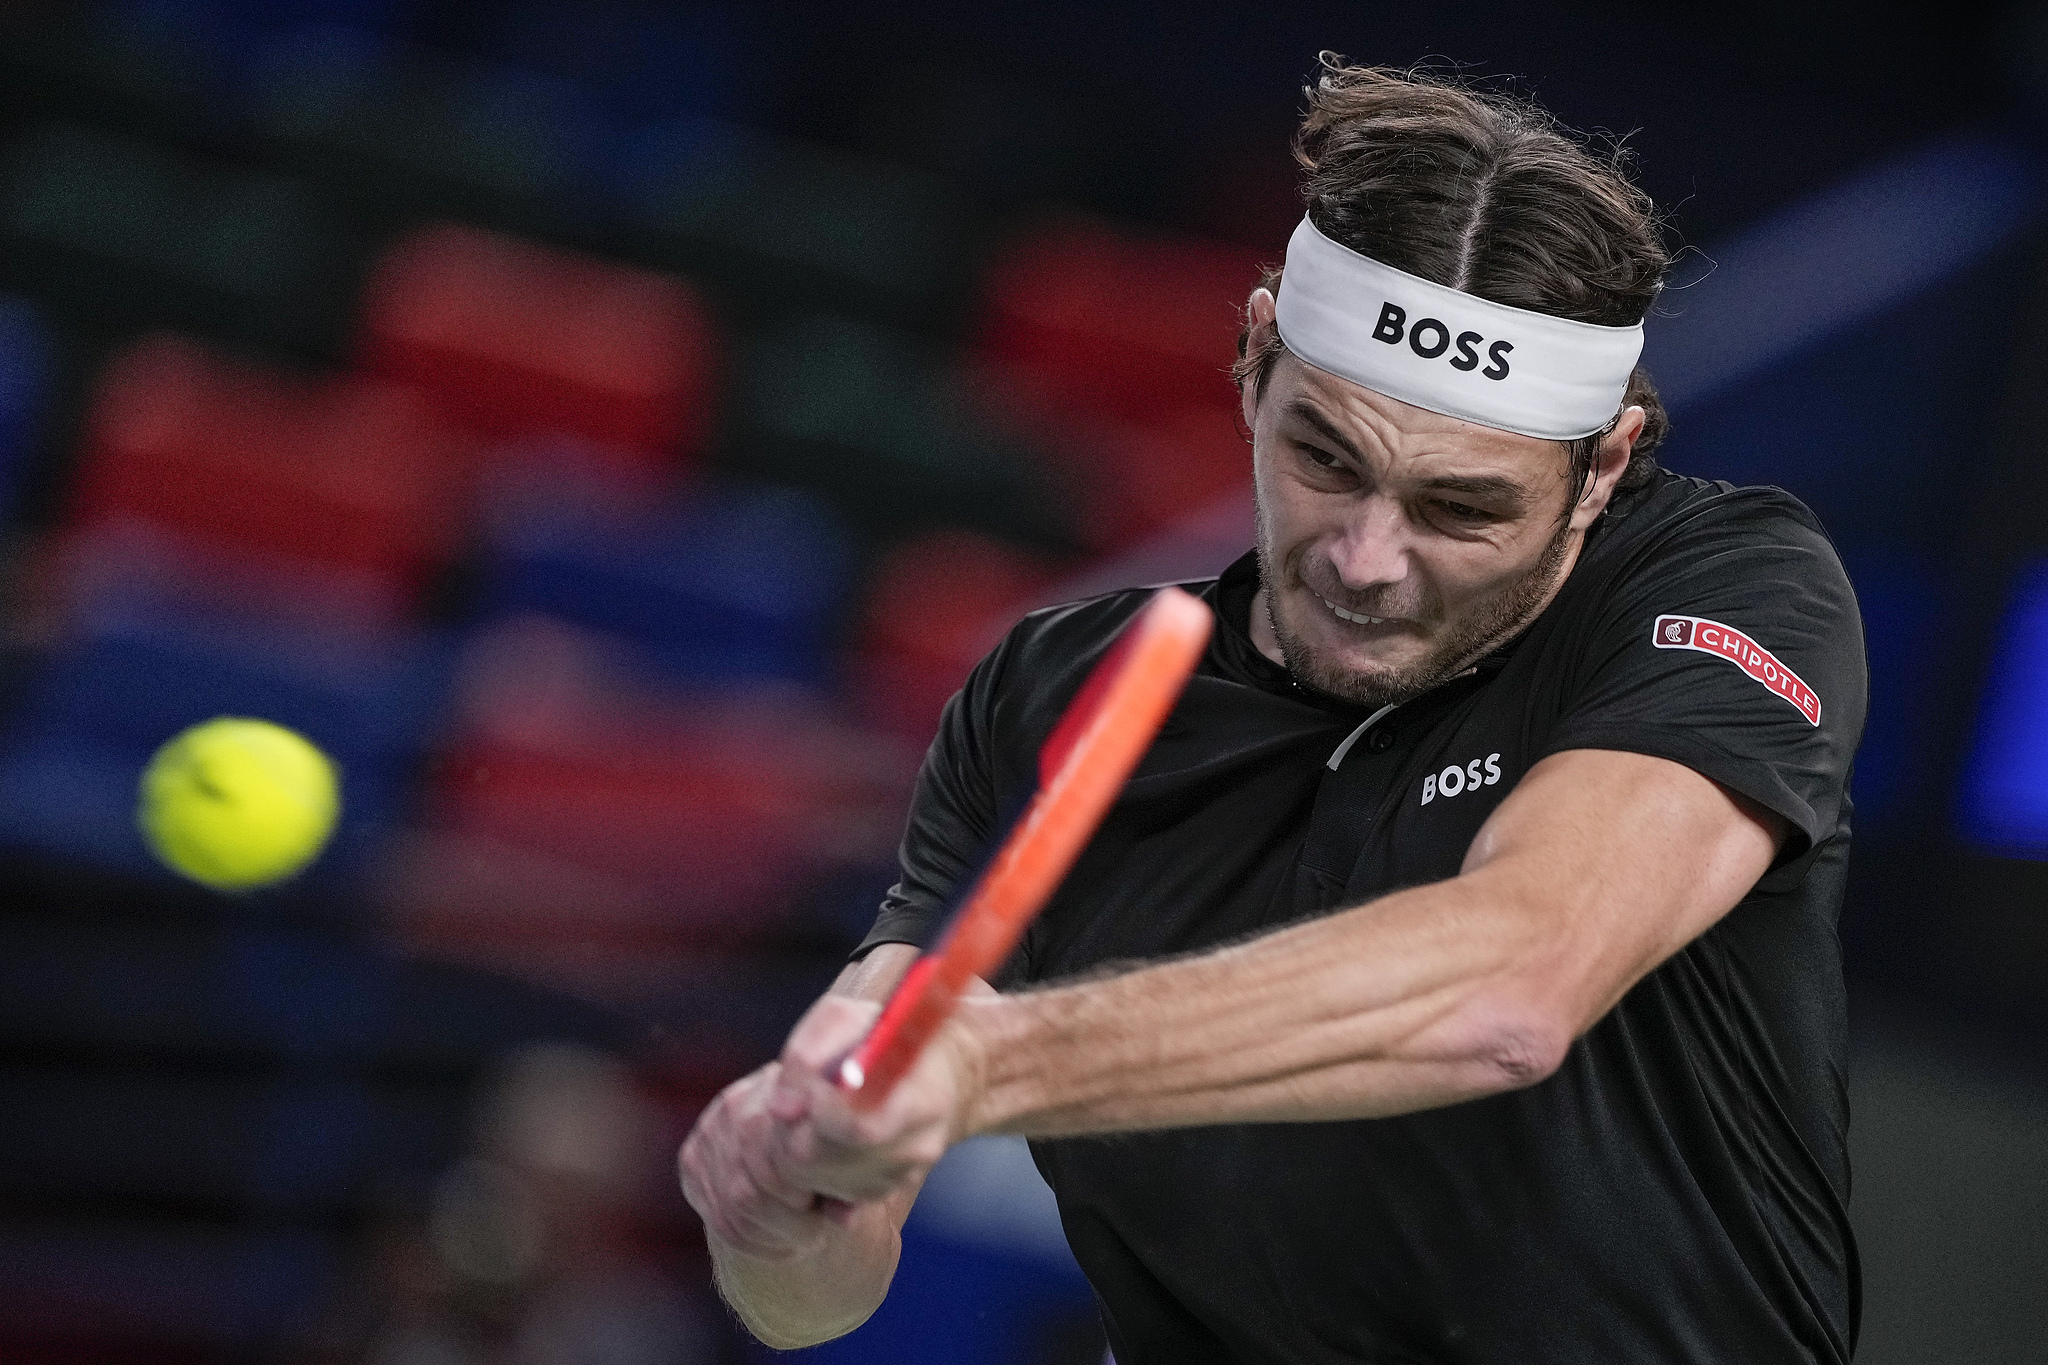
(1396, 546)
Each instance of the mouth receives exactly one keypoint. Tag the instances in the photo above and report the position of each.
(1355, 617)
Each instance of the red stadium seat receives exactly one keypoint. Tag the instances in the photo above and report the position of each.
(935, 605)
(1112, 350)
(1115, 325)
(513, 339)
(579, 810)
(354, 473)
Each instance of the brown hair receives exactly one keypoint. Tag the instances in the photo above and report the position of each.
(1485, 193)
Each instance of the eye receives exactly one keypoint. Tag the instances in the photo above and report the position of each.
(1322, 457)
(1464, 512)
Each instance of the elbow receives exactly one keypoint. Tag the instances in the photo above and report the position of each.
(1519, 1049)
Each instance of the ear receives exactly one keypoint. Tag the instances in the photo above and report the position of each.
(1259, 311)
(1608, 466)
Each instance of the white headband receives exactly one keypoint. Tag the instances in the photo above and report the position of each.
(1448, 351)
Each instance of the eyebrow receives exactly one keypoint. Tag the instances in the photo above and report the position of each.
(1309, 415)
(1495, 487)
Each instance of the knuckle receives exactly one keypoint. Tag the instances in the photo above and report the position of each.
(741, 1192)
(802, 1146)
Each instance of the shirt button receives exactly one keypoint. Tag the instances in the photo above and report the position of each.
(1379, 741)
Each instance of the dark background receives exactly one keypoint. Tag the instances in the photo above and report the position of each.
(313, 323)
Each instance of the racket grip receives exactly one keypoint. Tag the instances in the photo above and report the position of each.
(917, 1008)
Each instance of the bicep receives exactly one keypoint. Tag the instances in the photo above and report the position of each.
(1628, 857)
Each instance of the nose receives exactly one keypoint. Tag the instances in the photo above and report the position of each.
(1371, 550)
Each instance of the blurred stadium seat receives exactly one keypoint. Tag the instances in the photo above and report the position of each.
(588, 817)
(797, 224)
(1111, 348)
(426, 129)
(883, 423)
(656, 60)
(169, 986)
(158, 1290)
(25, 377)
(226, 30)
(516, 340)
(227, 1140)
(935, 605)
(118, 562)
(726, 587)
(353, 473)
(128, 232)
(1115, 324)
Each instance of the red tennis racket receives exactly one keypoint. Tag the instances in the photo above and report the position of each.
(1099, 740)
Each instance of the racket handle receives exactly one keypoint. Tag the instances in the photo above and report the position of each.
(917, 1008)
(1099, 739)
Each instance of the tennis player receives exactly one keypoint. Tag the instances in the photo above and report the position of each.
(1457, 978)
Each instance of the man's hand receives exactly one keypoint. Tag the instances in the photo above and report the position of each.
(772, 1156)
(853, 1156)
(732, 1178)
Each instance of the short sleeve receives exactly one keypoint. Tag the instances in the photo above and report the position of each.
(952, 815)
(1731, 645)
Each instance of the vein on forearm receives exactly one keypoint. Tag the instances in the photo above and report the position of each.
(1365, 1011)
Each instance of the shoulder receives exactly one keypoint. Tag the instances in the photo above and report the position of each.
(1678, 502)
(1751, 563)
(1046, 657)
(1076, 634)
(1682, 525)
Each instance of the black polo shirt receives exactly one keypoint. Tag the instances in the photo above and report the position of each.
(1677, 1191)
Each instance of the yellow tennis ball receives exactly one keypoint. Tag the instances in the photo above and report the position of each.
(236, 803)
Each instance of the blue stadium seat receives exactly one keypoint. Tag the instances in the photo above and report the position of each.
(24, 388)
(222, 1139)
(734, 586)
(222, 34)
(164, 987)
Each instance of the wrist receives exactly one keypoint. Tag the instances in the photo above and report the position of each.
(1000, 1032)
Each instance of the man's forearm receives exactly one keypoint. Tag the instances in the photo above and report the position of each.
(1598, 867)
(1390, 1007)
(826, 1292)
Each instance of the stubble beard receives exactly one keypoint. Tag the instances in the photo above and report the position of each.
(1488, 624)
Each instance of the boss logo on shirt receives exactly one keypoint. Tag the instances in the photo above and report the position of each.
(1712, 637)
(1429, 339)
(1480, 772)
